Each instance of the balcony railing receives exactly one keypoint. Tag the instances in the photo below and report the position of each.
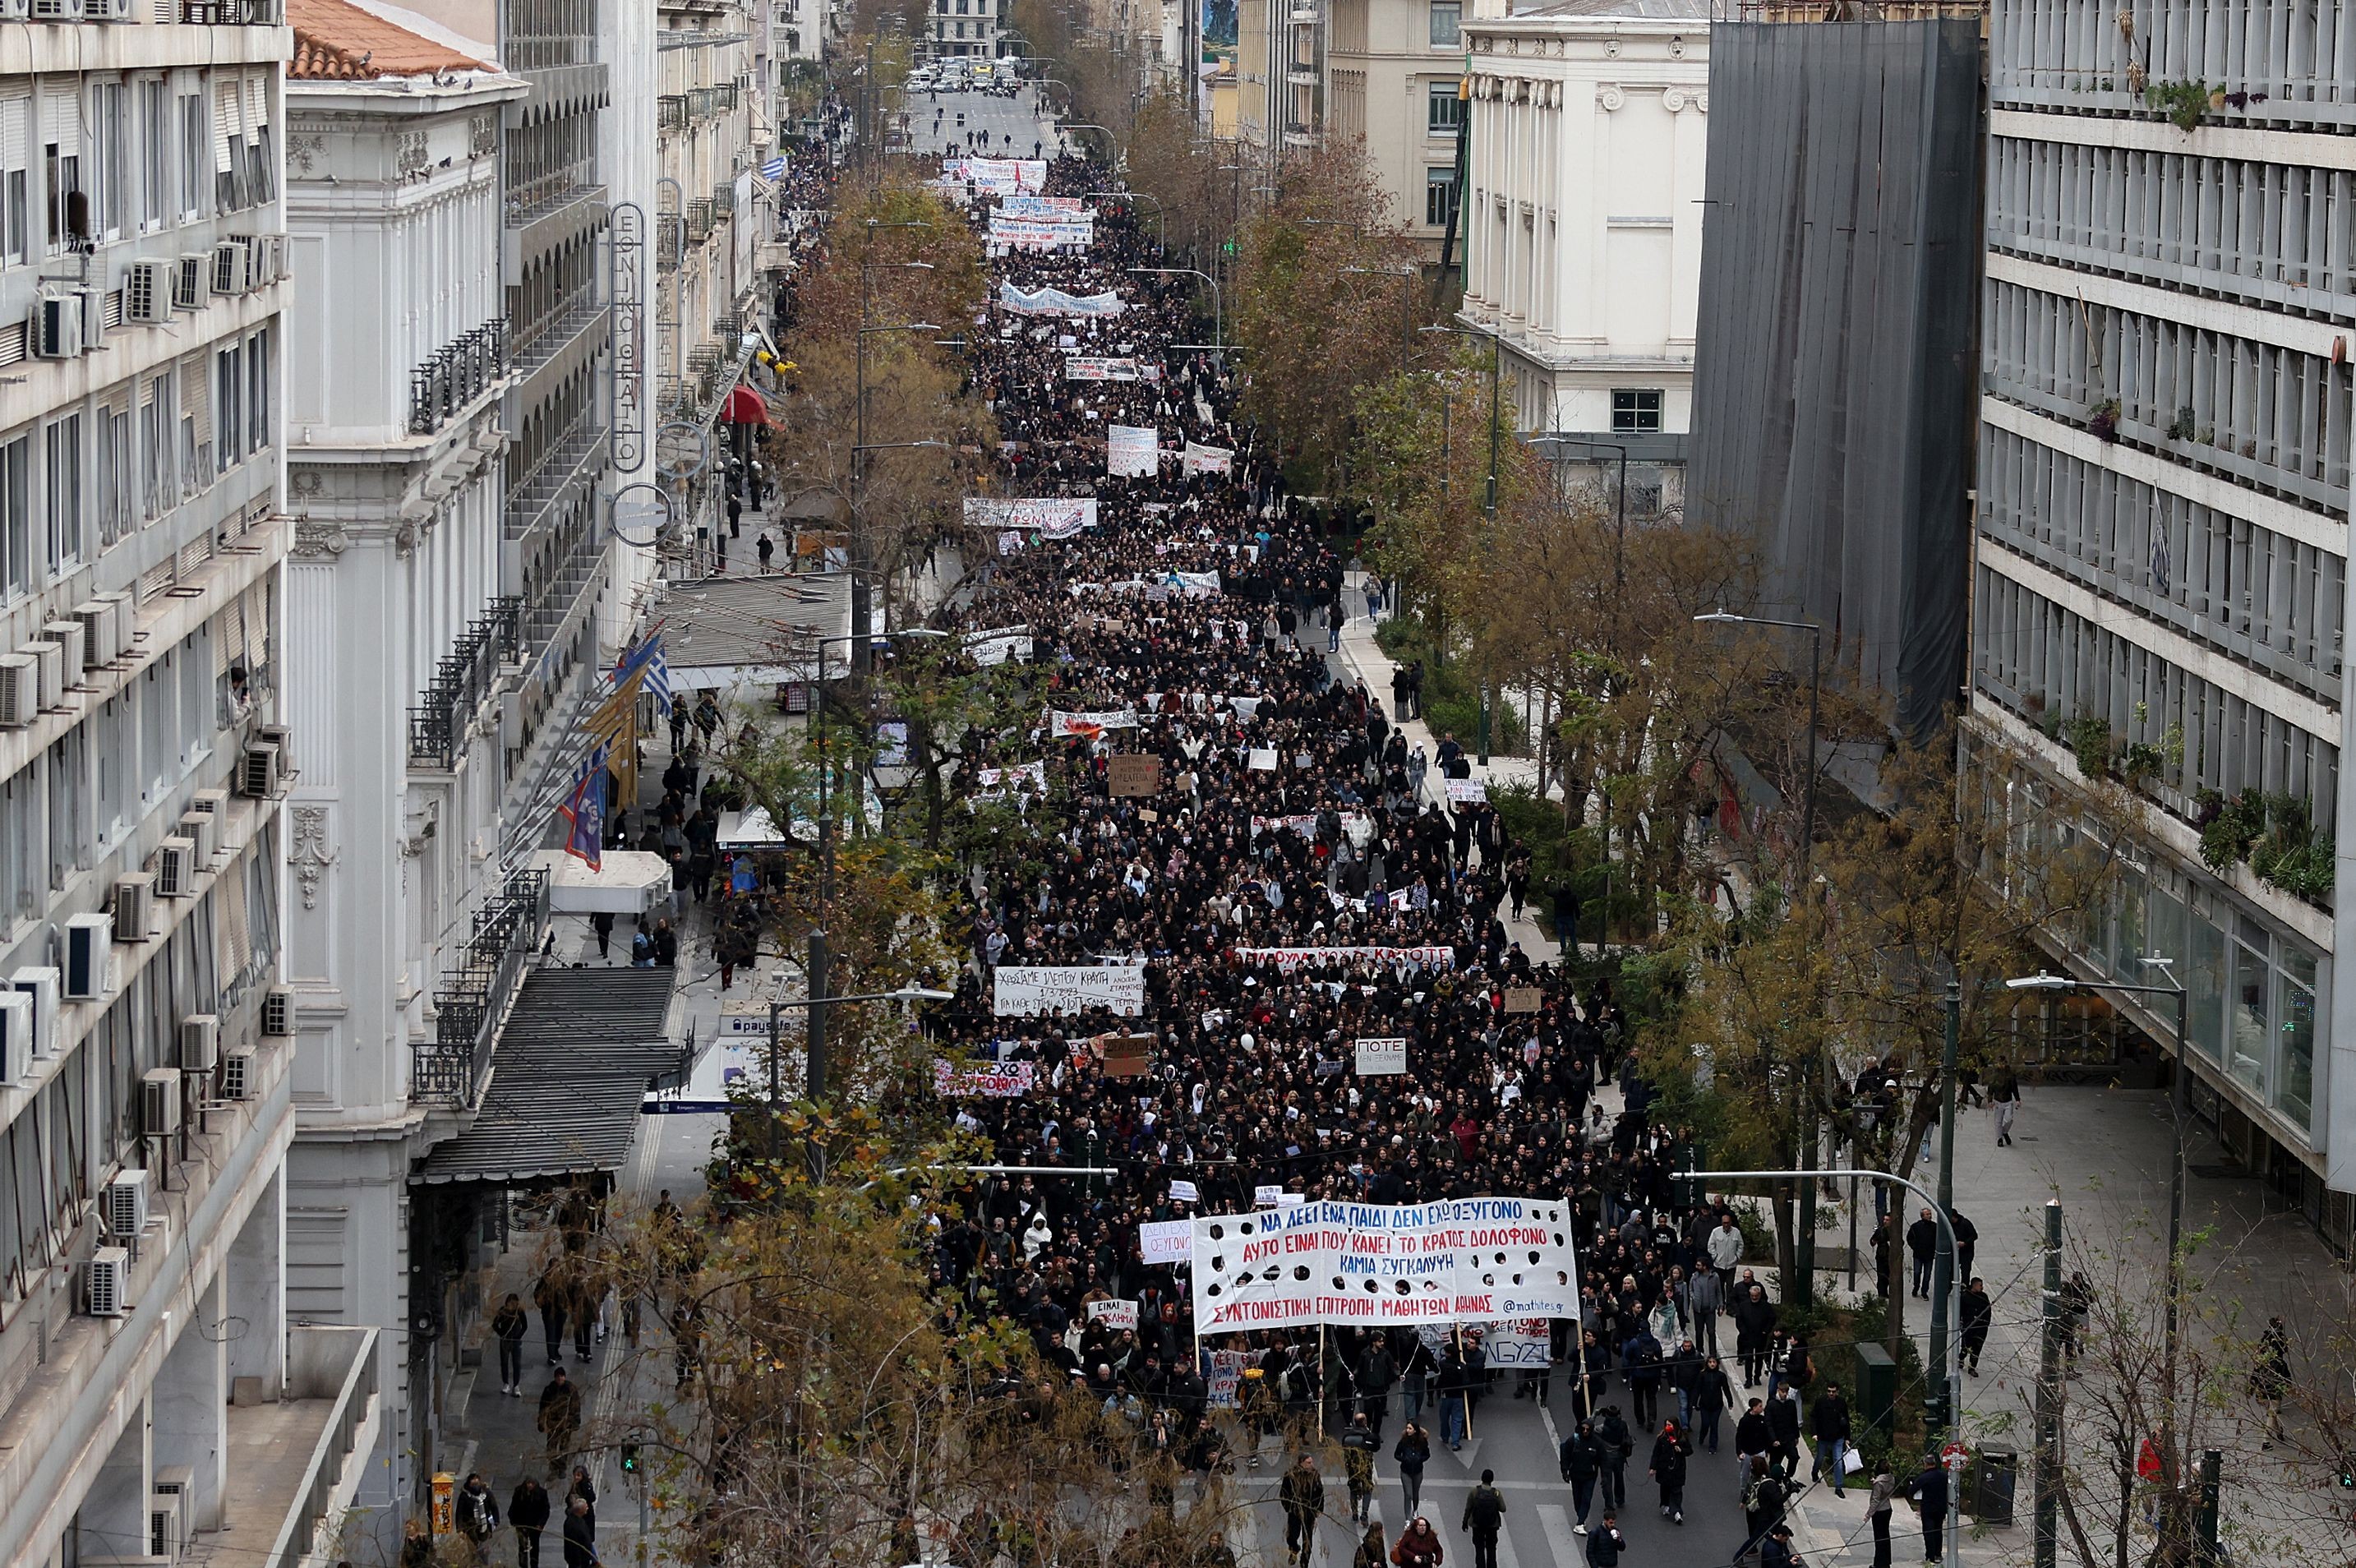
(334, 1367)
(233, 13)
(476, 991)
(459, 372)
(670, 111)
(723, 198)
(528, 503)
(469, 673)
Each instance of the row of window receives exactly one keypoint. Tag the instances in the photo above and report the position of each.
(2048, 665)
(2271, 233)
(74, 485)
(2297, 51)
(2274, 416)
(2249, 990)
(50, 1167)
(2217, 579)
(85, 162)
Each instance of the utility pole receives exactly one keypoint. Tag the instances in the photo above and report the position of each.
(1943, 1276)
(2212, 1465)
(2046, 1539)
(776, 1050)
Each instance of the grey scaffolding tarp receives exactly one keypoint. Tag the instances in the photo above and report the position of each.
(1834, 364)
(567, 1078)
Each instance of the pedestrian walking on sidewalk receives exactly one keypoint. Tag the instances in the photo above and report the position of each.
(1303, 1494)
(1418, 1547)
(560, 1419)
(580, 1537)
(508, 1325)
(764, 549)
(1877, 1512)
(2270, 1378)
(1412, 1452)
(735, 515)
(1667, 1468)
(1928, 1493)
(478, 1510)
(1581, 1460)
(528, 1511)
(2004, 1098)
(549, 1295)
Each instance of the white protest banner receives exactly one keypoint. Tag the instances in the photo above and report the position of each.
(1034, 234)
(1263, 760)
(1264, 1195)
(1432, 956)
(1471, 1260)
(1114, 1315)
(1382, 1057)
(1166, 1240)
(1024, 991)
(1056, 302)
(1024, 778)
(999, 645)
(1208, 459)
(1099, 367)
(1524, 1344)
(1184, 1192)
(1224, 1380)
(1002, 1080)
(1089, 725)
(1467, 791)
(1002, 176)
(1195, 584)
(1046, 207)
(1133, 451)
(1052, 517)
(1290, 1200)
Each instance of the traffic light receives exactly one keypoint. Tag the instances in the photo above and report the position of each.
(1934, 1411)
(2348, 1472)
(629, 1458)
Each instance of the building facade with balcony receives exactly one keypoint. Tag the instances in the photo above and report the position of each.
(969, 27)
(144, 1067)
(707, 234)
(2162, 537)
(1582, 224)
(403, 366)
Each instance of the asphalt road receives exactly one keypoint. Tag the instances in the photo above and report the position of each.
(1517, 1438)
(1013, 124)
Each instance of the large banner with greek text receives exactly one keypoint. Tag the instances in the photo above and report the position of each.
(1029, 990)
(1051, 517)
(1434, 956)
(1471, 1259)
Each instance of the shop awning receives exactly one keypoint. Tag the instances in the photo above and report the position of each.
(624, 883)
(567, 1077)
(744, 406)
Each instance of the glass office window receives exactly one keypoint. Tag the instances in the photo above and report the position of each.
(2295, 1008)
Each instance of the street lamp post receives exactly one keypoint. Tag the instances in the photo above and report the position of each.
(2044, 981)
(814, 1070)
(1806, 1240)
(1218, 301)
(859, 639)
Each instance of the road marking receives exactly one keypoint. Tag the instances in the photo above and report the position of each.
(1559, 1539)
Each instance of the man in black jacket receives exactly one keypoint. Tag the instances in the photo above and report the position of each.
(1783, 1431)
(1581, 1460)
(579, 1536)
(1923, 1246)
(1928, 1492)
(1377, 1373)
(1303, 1496)
(1978, 1312)
(1484, 1516)
(1828, 1424)
(528, 1511)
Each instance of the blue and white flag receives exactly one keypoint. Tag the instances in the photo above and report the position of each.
(647, 660)
(774, 169)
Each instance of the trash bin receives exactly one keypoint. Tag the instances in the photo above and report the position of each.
(1875, 1387)
(1995, 1475)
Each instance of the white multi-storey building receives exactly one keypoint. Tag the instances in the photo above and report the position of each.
(146, 1056)
(1582, 223)
(2162, 544)
(402, 361)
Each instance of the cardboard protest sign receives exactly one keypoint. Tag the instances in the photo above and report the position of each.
(1134, 774)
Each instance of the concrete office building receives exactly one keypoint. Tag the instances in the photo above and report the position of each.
(2163, 493)
(146, 1056)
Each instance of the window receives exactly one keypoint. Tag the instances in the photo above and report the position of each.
(158, 488)
(1445, 16)
(257, 391)
(110, 195)
(154, 154)
(2295, 1078)
(1438, 193)
(111, 471)
(1442, 110)
(195, 162)
(229, 403)
(1636, 410)
(17, 513)
(62, 479)
(61, 170)
(15, 174)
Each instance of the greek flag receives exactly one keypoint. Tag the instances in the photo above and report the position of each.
(774, 169)
(646, 661)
